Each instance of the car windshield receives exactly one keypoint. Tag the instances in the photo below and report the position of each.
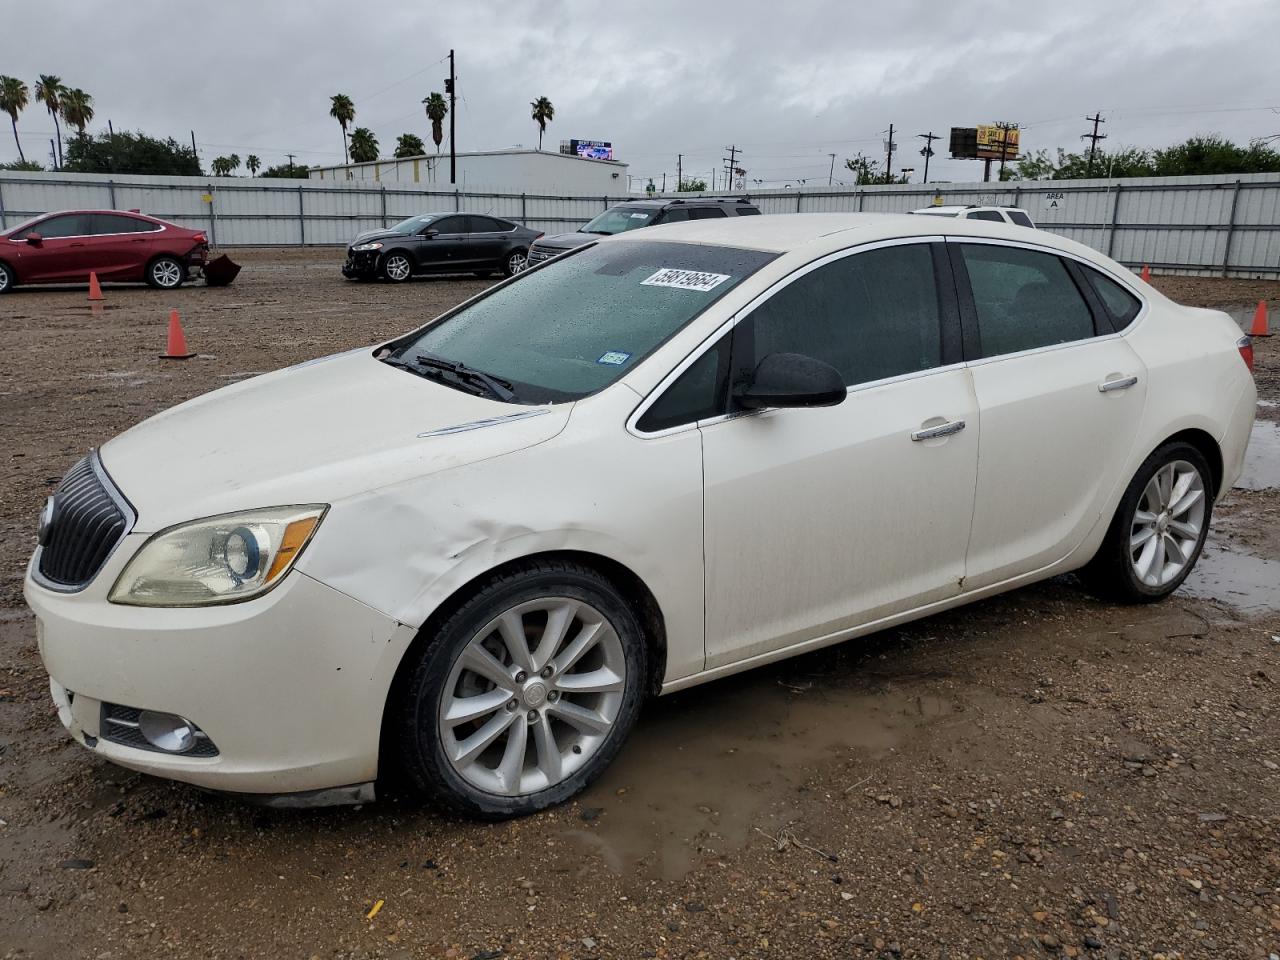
(619, 220)
(24, 225)
(413, 224)
(574, 326)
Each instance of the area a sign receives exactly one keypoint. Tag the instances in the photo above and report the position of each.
(1055, 200)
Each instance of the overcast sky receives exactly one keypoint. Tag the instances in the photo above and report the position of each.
(789, 83)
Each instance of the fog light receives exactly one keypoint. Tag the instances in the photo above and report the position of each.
(166, 731)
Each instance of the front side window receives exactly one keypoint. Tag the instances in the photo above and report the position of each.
(620, 220)
(871, 315)
(67, 225)
(748, 212)
(674, 215)
(1024, 299)
(577, 324)
(450, 225)
(707, 213)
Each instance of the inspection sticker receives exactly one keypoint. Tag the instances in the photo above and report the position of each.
(614, 358)
(685, 279)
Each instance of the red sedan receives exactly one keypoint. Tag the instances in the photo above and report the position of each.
(64, 247)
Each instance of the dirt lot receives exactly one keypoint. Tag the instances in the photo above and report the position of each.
(1039, 775)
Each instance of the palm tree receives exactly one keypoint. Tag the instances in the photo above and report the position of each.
(364, 145)
(77, 108)
(253, 163)
(409, 145)
(543, 113)
(344, 111)
(49, 90)
(233, 162)
(219, 166)
(14, 98)
(437, 110)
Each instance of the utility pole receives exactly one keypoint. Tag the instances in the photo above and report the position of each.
(664, 181)
(679, 173)
(927, 152)
(731, 163)
(1094, 137)
(888, 157)
(290, 156)
(832, 172)
(449, 85)
(1004, 143)
(194, 152)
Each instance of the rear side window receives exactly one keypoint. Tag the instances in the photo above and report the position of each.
(986, 215)
(1120, 303)
(698, 393)
(748, 212)
(1020, 218)
(1024, 299)
(870, 315)
(106, 223)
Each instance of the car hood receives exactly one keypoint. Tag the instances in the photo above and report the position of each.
(314, 433)
(567, 241)
(376, 235)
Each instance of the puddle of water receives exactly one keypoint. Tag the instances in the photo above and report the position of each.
(702, 766)
(1262, 459)
(1249, 584)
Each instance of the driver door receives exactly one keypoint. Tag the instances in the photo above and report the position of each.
(443, 244)
(824, 519)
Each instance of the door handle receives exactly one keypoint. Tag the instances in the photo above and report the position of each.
(941, 430)
(1123, 383)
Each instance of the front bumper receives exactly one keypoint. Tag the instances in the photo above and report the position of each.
(290, 686)
(363, 264)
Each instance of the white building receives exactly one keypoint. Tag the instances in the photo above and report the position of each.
(508, 171)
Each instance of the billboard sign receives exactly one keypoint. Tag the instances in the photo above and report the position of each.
(995, 142)
(592, 149)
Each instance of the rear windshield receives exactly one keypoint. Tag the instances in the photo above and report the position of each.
(577, 324)
(620, 220)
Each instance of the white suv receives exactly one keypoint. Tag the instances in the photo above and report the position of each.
(1013, 215)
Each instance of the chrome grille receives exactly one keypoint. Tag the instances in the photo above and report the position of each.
(88, 519)
(120, 725)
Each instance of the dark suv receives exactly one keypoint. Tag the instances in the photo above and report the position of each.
(642, 213)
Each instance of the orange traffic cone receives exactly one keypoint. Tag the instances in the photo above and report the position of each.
(95, 291)
(1260, 321)
(177, 347)
(1146, 273)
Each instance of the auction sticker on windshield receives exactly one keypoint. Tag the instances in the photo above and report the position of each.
(685, 279)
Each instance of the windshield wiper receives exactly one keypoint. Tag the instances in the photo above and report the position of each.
(496, 387)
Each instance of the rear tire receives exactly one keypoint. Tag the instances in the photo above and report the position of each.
(166, 273)
(524, 694)
(396, 267)
(515, 262)
(1158, 530)
(7, 279)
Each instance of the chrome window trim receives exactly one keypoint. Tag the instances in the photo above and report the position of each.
(130, 518)
(159, 228)
(652, 397)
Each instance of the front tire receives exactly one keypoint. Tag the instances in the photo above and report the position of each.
(1158, 530)
(166, 273)
(7, 279)
(397, 268)
(524, 694)
(515, 262)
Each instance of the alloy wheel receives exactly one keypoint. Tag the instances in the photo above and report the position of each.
(166, 273)
(4, 279)
(517, 262)
(397, 268)
(532, 696)
(1167, 523)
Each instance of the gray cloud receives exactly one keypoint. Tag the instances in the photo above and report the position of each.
(790, 83)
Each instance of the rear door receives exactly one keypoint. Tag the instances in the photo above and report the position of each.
(489, 240)
(443, 243)
(118, 243)
(1060, 395)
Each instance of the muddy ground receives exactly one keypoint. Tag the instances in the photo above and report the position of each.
(1037, 775)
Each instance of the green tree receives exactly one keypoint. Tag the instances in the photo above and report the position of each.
(286, 170)
(14, 97)
(691, 186)
(253, 163)
(130, 153)
(1212, 154)
(233, 162)
(49, 90)
(344, 111)
(864, 169)
(437, 110)
(21, 165)
(543, 112)
(409, 145)
(77, 109)
(364, 145)
(220, 166)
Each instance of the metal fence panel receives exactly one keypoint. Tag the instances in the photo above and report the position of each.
(1203, 225)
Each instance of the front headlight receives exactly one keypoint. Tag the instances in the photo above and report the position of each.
(223, 559)
(361, 247)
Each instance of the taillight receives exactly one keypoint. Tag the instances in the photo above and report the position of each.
(200, 238)
(1245, 345)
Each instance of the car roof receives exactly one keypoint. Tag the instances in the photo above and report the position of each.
(658, 202)
(817, 233)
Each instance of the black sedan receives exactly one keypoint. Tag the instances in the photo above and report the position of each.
(440, 243)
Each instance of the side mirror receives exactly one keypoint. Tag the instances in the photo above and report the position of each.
(791, 380)
(34, 239)
(430, 232)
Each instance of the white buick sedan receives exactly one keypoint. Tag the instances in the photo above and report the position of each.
(471, 553)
